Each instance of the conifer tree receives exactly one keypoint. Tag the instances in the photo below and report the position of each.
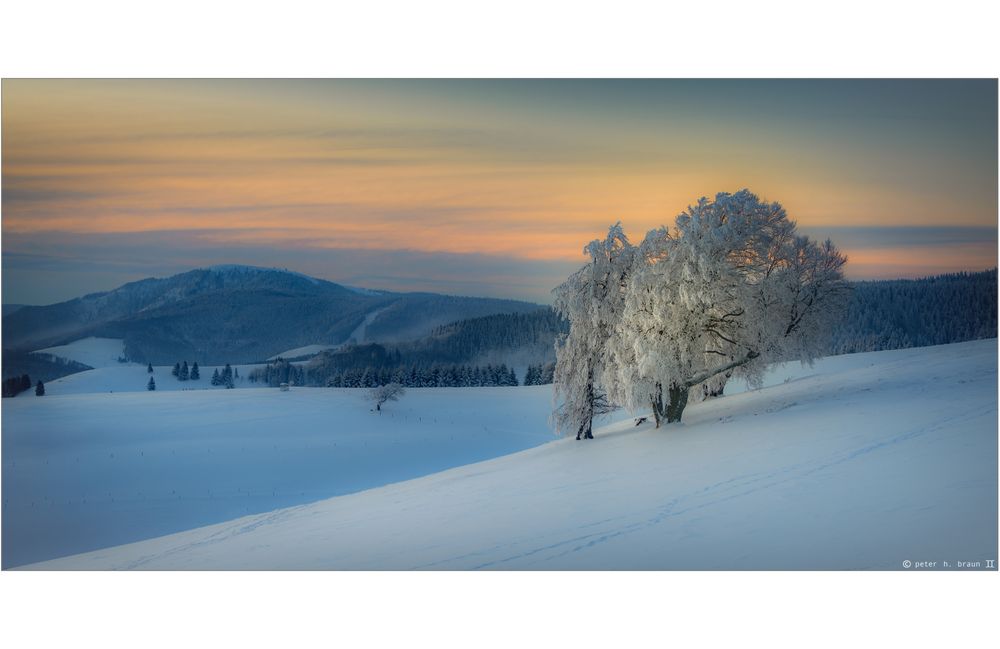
(151, 385)
(195, 374)
(40, 389)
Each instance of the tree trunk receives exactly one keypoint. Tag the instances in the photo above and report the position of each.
(656, 401)
(711, 393)
(678, 400)
(678, 393)
(586, 428)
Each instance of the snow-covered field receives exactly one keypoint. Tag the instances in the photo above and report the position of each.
(109, 375)
(308, 350)
(133, 377)
(860, 462)
(95, 352)
(85, 471)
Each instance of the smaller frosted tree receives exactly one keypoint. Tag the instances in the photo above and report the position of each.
(40, 389)
(151, 385)
(592, 299)
(195, 372)
(385, 393)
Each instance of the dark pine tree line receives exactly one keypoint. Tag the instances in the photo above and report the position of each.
(540, 374)
(183, 372)
(424, 376)
(464, 340)
(901, 313)
(227, 377)
(277, 372)
(15, 385)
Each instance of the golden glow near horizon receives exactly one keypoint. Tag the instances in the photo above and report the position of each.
(529, 170)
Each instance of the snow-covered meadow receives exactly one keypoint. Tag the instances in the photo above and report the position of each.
(95, 352)
(85, 471)
(859, 462)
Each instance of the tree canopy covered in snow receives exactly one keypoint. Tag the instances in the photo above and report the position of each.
(384, 393)
(731, 288)
(592, 299)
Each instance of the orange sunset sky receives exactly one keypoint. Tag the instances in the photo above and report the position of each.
(488, 187)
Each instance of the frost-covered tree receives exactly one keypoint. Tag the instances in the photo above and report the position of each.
(149, 368)
(195, 372)
(730, 289)
(151, 385)
(592, 299)
(216, 377)
(177, 370)
(184, 372)
(384, 393)
(39, 389)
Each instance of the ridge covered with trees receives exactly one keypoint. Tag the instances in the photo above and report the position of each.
(902, 313)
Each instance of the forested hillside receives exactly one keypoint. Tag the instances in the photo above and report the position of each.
(462, 349)
(40, 367)
(896, 314)
(479, 339)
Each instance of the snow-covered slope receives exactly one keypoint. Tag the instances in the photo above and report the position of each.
(133, 377)
(862, 462)
(95, 352)
(84, 469)
(306, 350)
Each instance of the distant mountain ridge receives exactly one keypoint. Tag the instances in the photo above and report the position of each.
(239, 314)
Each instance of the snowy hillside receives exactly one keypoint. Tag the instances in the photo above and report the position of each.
(305, 350)
(133, 377)
(235, 313)
(861, 462)
(95, 352)
(85, 469)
